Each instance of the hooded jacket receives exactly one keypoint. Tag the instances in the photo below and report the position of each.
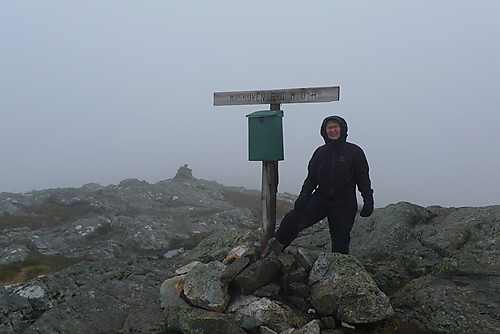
(336, 168)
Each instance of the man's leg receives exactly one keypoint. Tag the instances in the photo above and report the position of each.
(340, 221)
(294, 222)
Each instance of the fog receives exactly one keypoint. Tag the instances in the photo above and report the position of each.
(101, 91)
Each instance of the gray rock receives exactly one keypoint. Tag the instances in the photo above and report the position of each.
(9, 205)
(457, 305)
(18, 235)
(13, 253)
(341, 287)
(147, 234)
(297, 275)
(275, 316)
(205, 288)
(179, 316)
(88, 227)
(266, 330)
(269, 290)
(306, 257)
(229, 218)
(405, 241)
(257, 275)
(90, 297)
(299, 289)
(67, 196)
(215, 247)
(171, 289)
(234, 268)
(287, 262)
(311, 327)
(185, 269)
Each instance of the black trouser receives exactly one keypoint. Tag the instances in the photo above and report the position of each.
(340, 221)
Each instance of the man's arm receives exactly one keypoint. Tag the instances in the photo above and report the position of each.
(310, 183)
(363, 183)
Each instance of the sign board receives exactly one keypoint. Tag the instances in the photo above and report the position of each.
(278, 96)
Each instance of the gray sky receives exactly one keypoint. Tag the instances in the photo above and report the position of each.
(101, 91)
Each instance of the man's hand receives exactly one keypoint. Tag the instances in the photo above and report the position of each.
(301, 202)
(367, 209)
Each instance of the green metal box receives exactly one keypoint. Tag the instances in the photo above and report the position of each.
(265, 135)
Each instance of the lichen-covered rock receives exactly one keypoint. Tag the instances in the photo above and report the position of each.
(341, 287)
(108, 296)
(405, 241)
(443, 305)
(205, 288)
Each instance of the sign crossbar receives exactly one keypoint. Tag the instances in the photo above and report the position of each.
(278, 96)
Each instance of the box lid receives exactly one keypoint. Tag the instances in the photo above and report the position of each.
(266, 113)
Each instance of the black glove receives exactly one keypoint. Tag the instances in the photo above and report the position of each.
(367, 209)
(301, 202)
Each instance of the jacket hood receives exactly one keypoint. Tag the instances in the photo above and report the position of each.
(343, 129)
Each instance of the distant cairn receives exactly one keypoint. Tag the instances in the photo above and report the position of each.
(184, 173)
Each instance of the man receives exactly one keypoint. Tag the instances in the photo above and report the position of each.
(329, 190)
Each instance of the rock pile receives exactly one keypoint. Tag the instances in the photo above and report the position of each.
(302, 290)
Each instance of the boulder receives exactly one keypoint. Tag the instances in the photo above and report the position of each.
(205, 288)
(458, 305)
(341, 287)
(405, 241)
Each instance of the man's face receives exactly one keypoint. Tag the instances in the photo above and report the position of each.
(333, 130)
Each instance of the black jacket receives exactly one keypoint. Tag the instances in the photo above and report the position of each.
(336, 168)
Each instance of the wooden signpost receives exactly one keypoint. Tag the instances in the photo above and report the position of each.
(278, 96)
(274, 98)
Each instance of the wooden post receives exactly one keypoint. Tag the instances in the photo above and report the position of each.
(268, 197)
(268, 201)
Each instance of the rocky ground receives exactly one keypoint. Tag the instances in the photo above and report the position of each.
(96, 222)
(439, 266)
